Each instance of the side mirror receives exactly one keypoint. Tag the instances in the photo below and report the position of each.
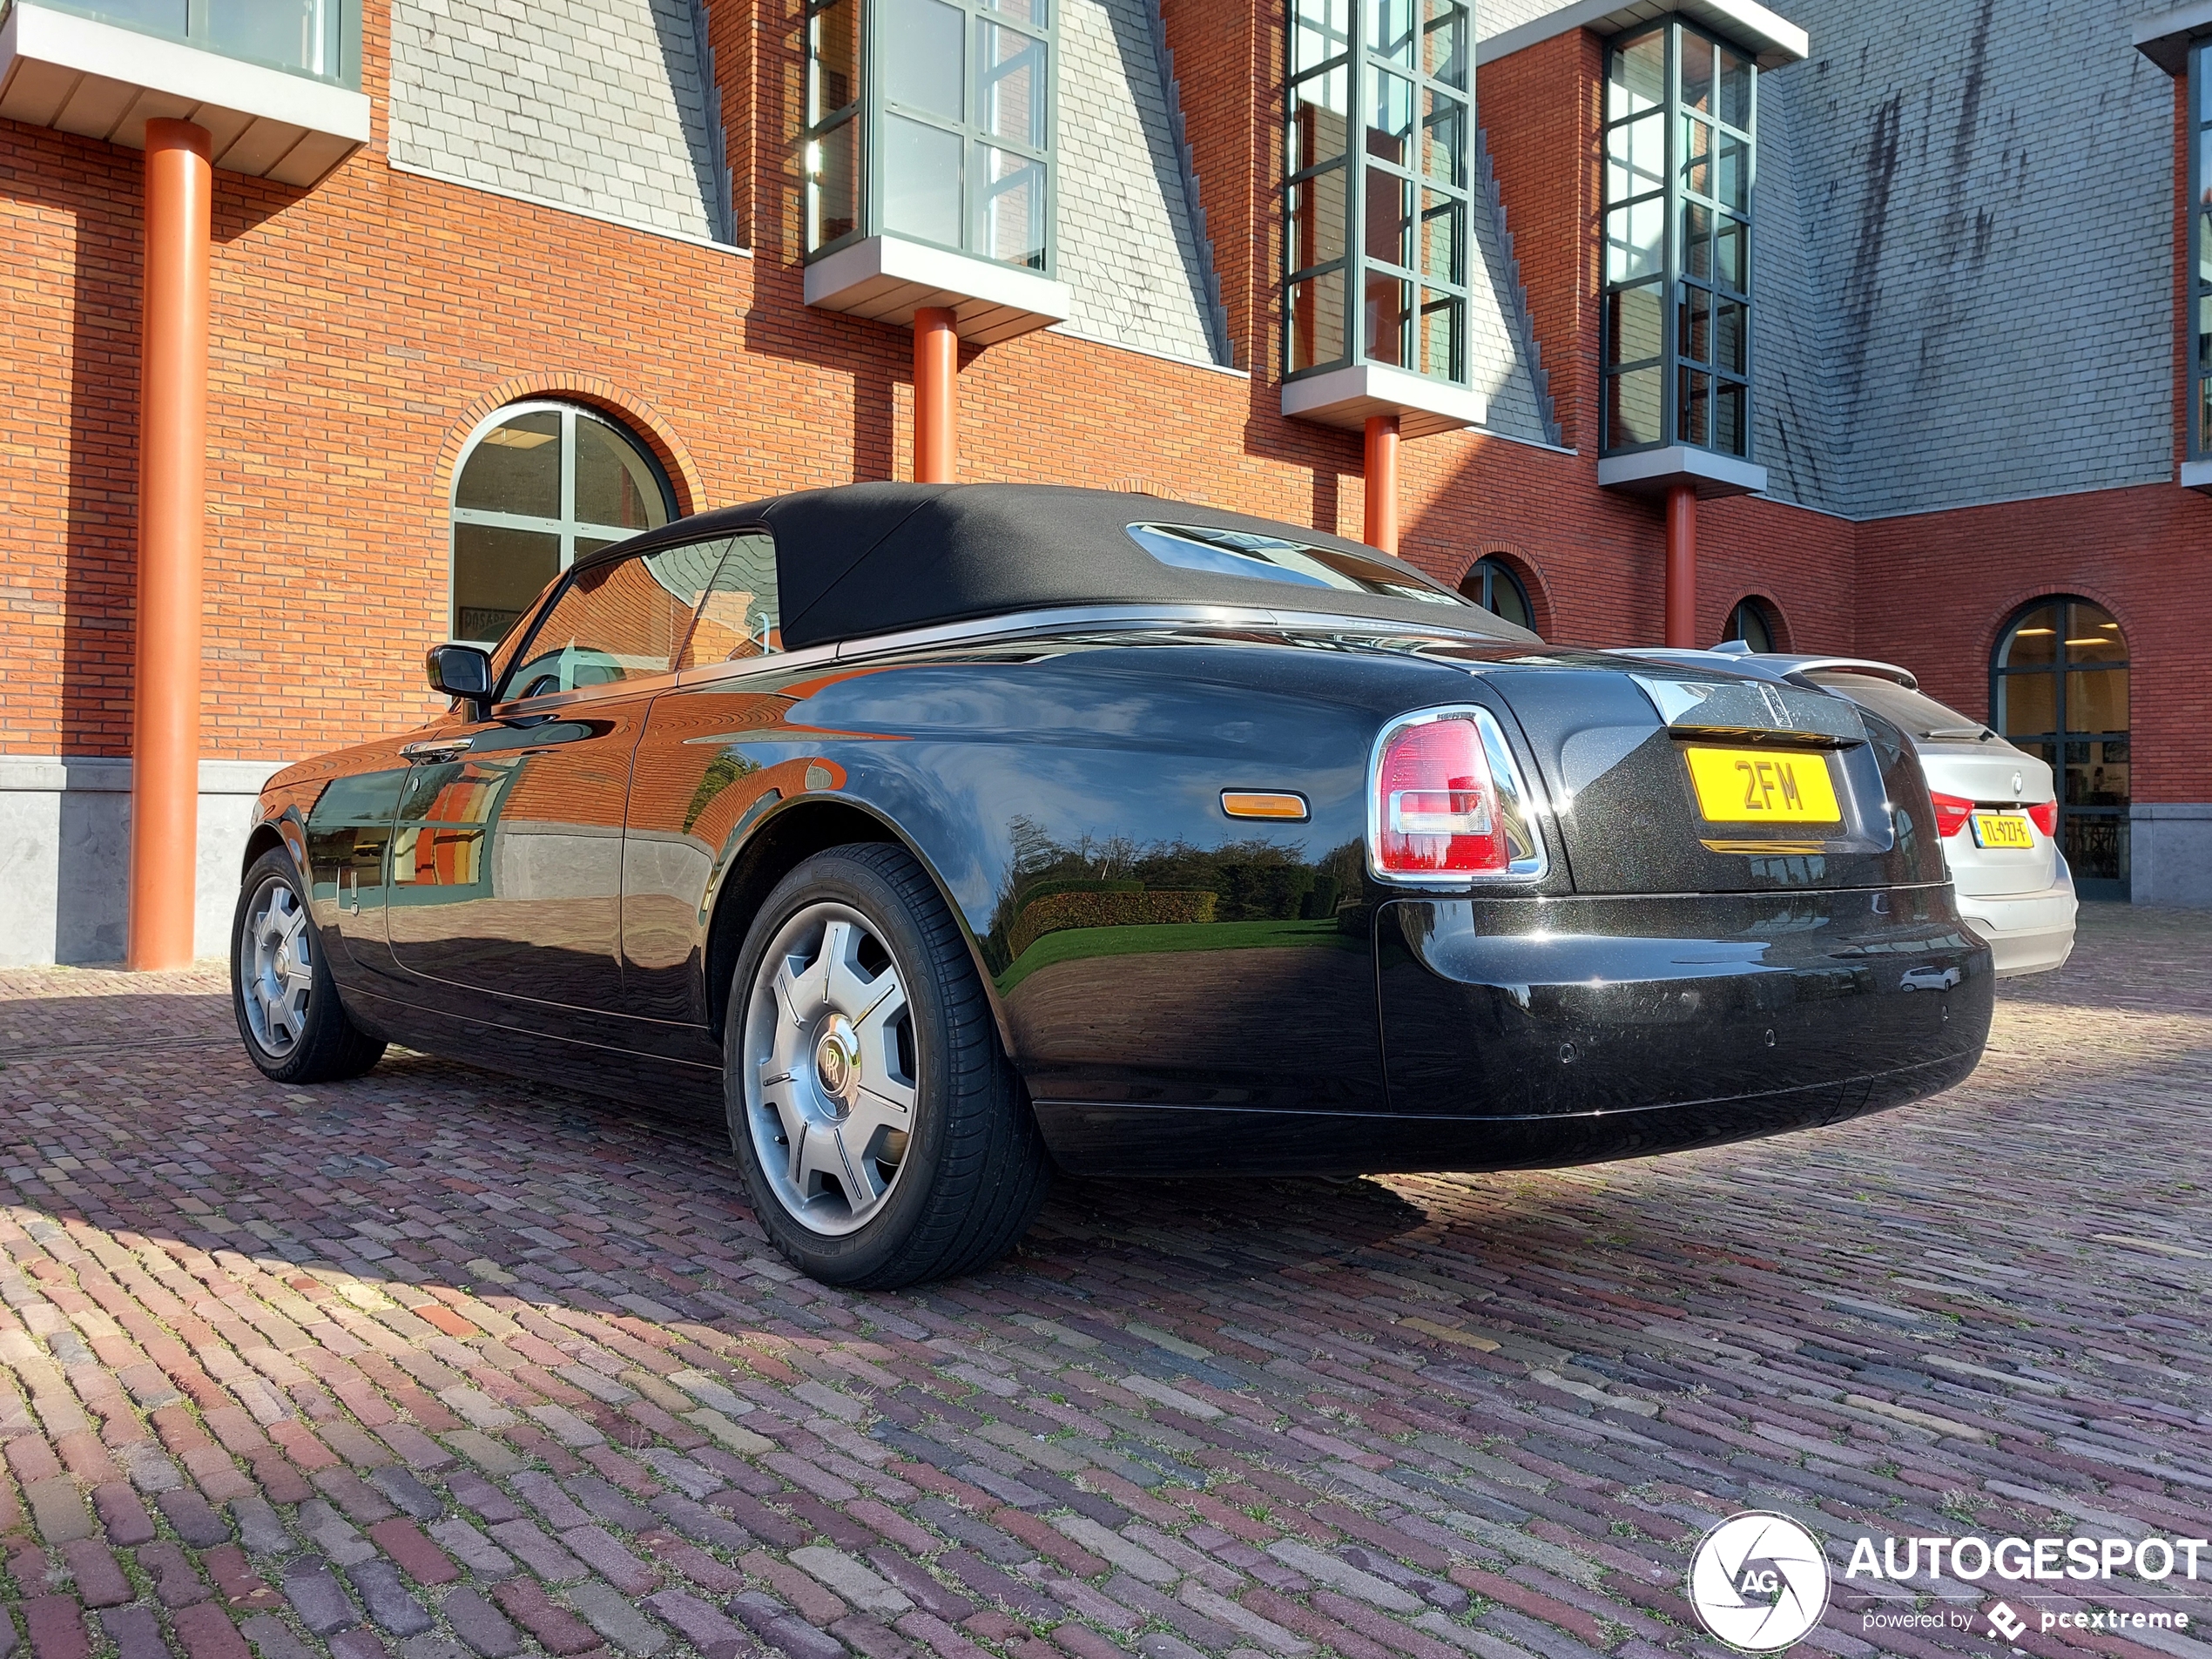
(460, 671)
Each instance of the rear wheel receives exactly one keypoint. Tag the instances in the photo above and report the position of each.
(883, 1135)
(295, 1028)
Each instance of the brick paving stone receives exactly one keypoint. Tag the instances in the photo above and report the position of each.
(1234, 1420)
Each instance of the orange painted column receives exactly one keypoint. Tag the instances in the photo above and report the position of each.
(1381, 467)
(172, 506)
(1681, 565)
(936, 396)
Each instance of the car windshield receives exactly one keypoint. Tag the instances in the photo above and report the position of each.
(1920, 717)
(1269, 558)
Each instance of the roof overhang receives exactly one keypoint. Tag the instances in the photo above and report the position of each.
(1348, 397)
(77, 75)
(1654, 472)
(1768, 36)
(887, 278)
(2166, 38)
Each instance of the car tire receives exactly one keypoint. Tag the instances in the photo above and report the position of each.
(884, 1137)
(295, 1028)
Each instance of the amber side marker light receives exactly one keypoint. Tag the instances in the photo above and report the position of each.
(1243, 803)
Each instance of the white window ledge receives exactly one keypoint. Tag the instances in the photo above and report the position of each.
(58, 69)
(887, 278)
(1769, 38)
(1346, 397)
(1655, 471)
(2166, 37)
(2197, 474)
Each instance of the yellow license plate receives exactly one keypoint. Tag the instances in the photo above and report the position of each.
(1764, 786)
(2002, 829)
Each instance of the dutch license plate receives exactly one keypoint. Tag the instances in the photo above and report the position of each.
(2002, 829)
(1764, 786)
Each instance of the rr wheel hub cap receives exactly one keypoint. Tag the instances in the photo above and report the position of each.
(836, 1062)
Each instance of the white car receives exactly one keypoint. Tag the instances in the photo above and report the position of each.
(1995, 809)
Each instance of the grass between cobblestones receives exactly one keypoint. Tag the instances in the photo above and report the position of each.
(441, 1366)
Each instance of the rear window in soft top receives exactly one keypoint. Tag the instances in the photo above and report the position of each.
(1269, 558)
(1920, 715)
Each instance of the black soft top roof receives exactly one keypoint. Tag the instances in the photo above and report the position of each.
(865, 559)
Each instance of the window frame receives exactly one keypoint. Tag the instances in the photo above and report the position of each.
(1674, 278)
(567, 527)
(869, 108)
(1491, 568)
(2061, 668)
(1762, 610)
(2196, 254)
(1359, 64)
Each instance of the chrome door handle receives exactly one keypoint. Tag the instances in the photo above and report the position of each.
(435, 748)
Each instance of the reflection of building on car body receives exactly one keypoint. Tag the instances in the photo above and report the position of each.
(1063, 826)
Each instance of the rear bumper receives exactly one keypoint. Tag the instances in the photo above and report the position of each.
(1521, 1032)
(2028, 933)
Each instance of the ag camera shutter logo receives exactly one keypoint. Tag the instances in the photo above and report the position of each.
(1759, 1581)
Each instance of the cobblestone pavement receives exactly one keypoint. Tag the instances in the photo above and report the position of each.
(434, 1364)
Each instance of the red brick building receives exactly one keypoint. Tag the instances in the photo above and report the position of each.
(1244, 253)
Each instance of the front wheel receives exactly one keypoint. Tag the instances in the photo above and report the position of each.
(882, 1133)
(295, 1028)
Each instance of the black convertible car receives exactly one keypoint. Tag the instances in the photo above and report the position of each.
(942, 834)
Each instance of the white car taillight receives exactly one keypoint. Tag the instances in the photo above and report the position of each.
(1446, 805)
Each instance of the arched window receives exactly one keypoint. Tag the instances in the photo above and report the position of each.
(1492, 584)
(538, 483)
(2058, 689)
(1754, 622)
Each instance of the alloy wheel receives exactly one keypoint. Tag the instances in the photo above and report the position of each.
(276, 969)
(829, 1068)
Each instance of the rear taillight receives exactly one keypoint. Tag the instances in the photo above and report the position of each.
(1951, 814)
(1447, 804)
(2044, 816)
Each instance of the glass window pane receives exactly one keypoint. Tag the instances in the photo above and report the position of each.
(1635, 239)
(1030, 11)
(612, 622)
(1390, 30)
(1697, 240)
(1013, 228)
(516, 468)
(1731, 336)
(1443, 237)
(1320, 30)
(295, 33)
(833, 195)
(1320, 119)
(1635, 158)
(740, 616)
(615, 483)
(1387, 310)
(1693, 324)
(2097, 701)
(2204, 164)
(498, 575)
(1444, 55)
(1694, 411)
(1632, 407)
(2204, 248)
(1732, 181)
(1735, 89)
(1732, 254)
(1696, 72)
(1442, 329)
(1730, 430)
(833, 72)
(1315, 229)
(924, 46)
(2033, 641)
(1390, 116)
(1697, 155)
(1444, 140)
(1013, 90)
(1315, 313)
(1638, 77)
(2027, 703)
(1633, 330)
(1389, 235)
(921, 180)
